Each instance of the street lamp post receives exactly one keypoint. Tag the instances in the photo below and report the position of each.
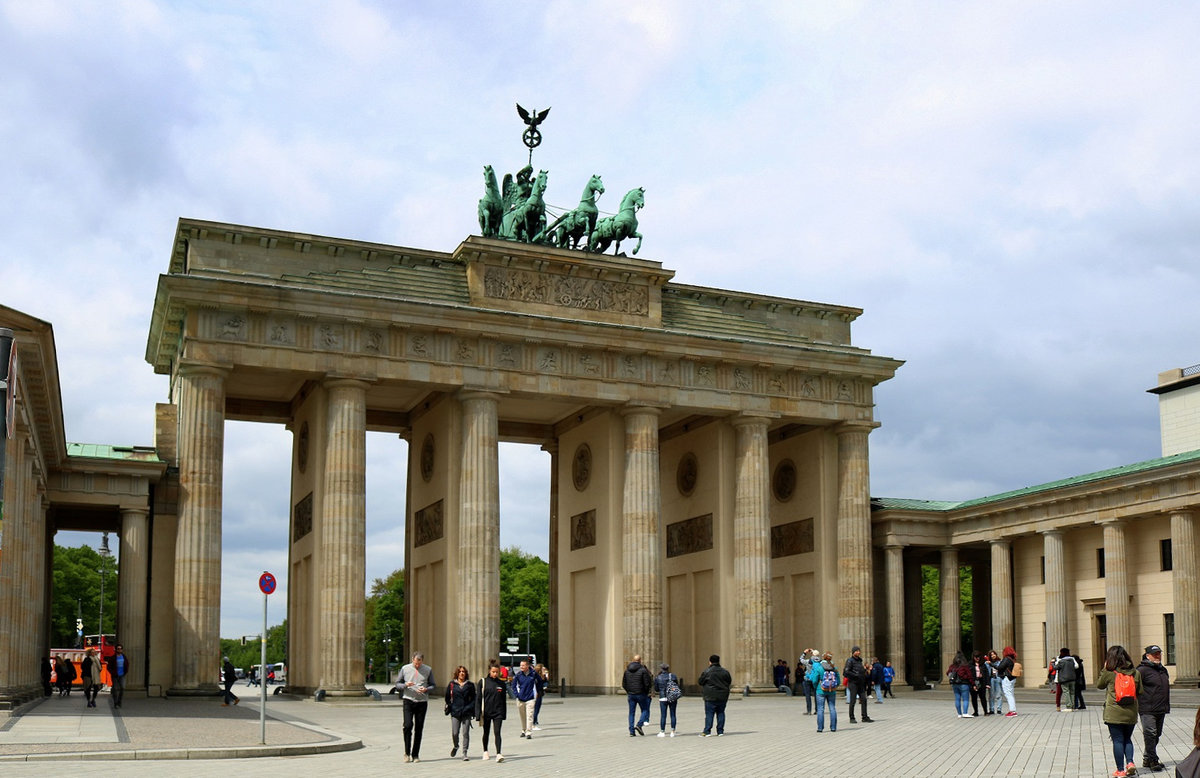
(104, 555)
(387, 650)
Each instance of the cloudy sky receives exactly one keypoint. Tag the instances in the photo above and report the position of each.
(1008, 190)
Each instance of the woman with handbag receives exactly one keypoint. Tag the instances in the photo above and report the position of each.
(460, 707)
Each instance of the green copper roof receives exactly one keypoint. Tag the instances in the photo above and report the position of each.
(890, 503)
(102, 451)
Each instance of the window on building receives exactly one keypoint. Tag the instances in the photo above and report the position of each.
(1164, 553)
(1169, 643)
(1043, 569)
(1100, 563)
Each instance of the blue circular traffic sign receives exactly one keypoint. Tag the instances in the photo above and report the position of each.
(266, 582)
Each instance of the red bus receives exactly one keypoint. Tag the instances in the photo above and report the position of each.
(104, 645)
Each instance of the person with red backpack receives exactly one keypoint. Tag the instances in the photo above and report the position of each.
(1123, 682)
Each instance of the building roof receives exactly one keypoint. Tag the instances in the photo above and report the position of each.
(117, 453)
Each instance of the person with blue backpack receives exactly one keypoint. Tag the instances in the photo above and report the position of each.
(826, 682)
(666, 683)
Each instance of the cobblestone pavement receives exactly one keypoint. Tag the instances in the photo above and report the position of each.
(915, 734)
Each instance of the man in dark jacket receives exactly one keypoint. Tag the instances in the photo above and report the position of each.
(118, 667)
(637, 684)
(715, 683)
(1154, 703)
(855, 673)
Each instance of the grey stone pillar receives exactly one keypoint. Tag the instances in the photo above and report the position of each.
(16, 676)
(894, 562)
(201, 393)
(752, 555)
(951, 601)
(479, 533)
(641, 563)
(551, 447)
(855, 591)
(343, 539)
(1056, 596)
(1116, 586)
(132, 585)
(1186, 595)
(1002, 594)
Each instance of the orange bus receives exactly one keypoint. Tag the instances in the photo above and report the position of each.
(104, 645)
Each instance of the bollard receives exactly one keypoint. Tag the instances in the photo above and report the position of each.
(562, 688)
(746, 691)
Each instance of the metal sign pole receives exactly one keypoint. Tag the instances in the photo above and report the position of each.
(262, 677)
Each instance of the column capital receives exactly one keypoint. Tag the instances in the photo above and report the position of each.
(750, 419)
(333, 380)
(1053, 532)
(1114, 522)
(200, 367)
(1006, 542)
(475, 393)
(1185, 513)
(550, 446)
(139, 510)
(634, 409)
(855, 425)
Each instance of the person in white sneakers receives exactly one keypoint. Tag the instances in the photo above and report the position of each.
(666, 684)
(492, 707)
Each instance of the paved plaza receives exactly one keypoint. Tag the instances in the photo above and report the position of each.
(915, 734)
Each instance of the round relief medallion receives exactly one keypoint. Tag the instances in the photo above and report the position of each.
(685, 474)
(427, 458)
(783, 482)
(302, 448)
(581, 467)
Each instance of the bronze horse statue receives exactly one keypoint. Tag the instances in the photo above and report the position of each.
(526, 218)
(490, 207)
(574, 227)
(623, 225)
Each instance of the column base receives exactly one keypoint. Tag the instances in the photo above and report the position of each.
(762, 689)
(351, 692)
(205, 690)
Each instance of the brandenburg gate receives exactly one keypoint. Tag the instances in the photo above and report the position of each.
(708, 448)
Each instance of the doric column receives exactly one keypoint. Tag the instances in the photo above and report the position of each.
(855, 583)
(641, 507)
(132, 584)
(343, 538)
(1002, 594)
(201, 395)
(1116, 587)
(951, 601)
(551, 447)
(13, 676)
(752, 554)
(1056, 592)
(1186, 596)
(479, 533)
(894, 570)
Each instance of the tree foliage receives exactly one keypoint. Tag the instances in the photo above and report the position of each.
(76, 594)
(385, 624)
(250, 654)
(525, 600)
(931, 609)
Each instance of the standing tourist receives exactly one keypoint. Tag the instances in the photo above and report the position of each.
(637, 684)
(825, 680)
(715, 683)
(780, 674)
(91, 677)
(1080, 683)
(492, 708)
(542, 673)
(804, 666)
(1154, 703)
(525, 689)
(1124, 685)
(959, 674)
(460, 706)
(666, 683)
(1008, 673)
(855, 673)
(981, 678)
(47, 668)
(889, 675)
(994, 705)
(118, 668)
(1066, 671)
(416, 679)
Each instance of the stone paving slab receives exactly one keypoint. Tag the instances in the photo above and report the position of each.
(915, 734)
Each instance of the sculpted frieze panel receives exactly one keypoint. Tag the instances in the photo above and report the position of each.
(566, 291)
(373, 341)
(583, 530)
(302, 517)
(329, 337)
(232, 326)
(508, 355)
(690, 535)
(795, 537)
(281, 332)
(427, 524)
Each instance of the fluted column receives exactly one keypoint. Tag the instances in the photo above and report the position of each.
(951, 601)
(855, 583)
(13, 677)
(1002, 594)
(641, 507)
(1056, 592)
(551, 447)
(198, 539)
(343, 538)
(132, 584)
(479, 533)
(1116, 587)
(752, 554)
(894, 564)
(1186, 597)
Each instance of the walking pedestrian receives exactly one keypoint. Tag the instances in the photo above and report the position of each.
(524, 687)
(230, 673)
(1124, 685)
(118, 668)
(542, 673)
(492, 708)
(91, 677)
(637, 684)
(416, 679)
(1154, 703)
(715, 683)
(460, 707)
(889, 675)
(855, 673)
(666, 683)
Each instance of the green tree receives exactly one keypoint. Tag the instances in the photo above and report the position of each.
(76, 585)
(525, 599)
(246, 656)
(931, 609)
(384, 624)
